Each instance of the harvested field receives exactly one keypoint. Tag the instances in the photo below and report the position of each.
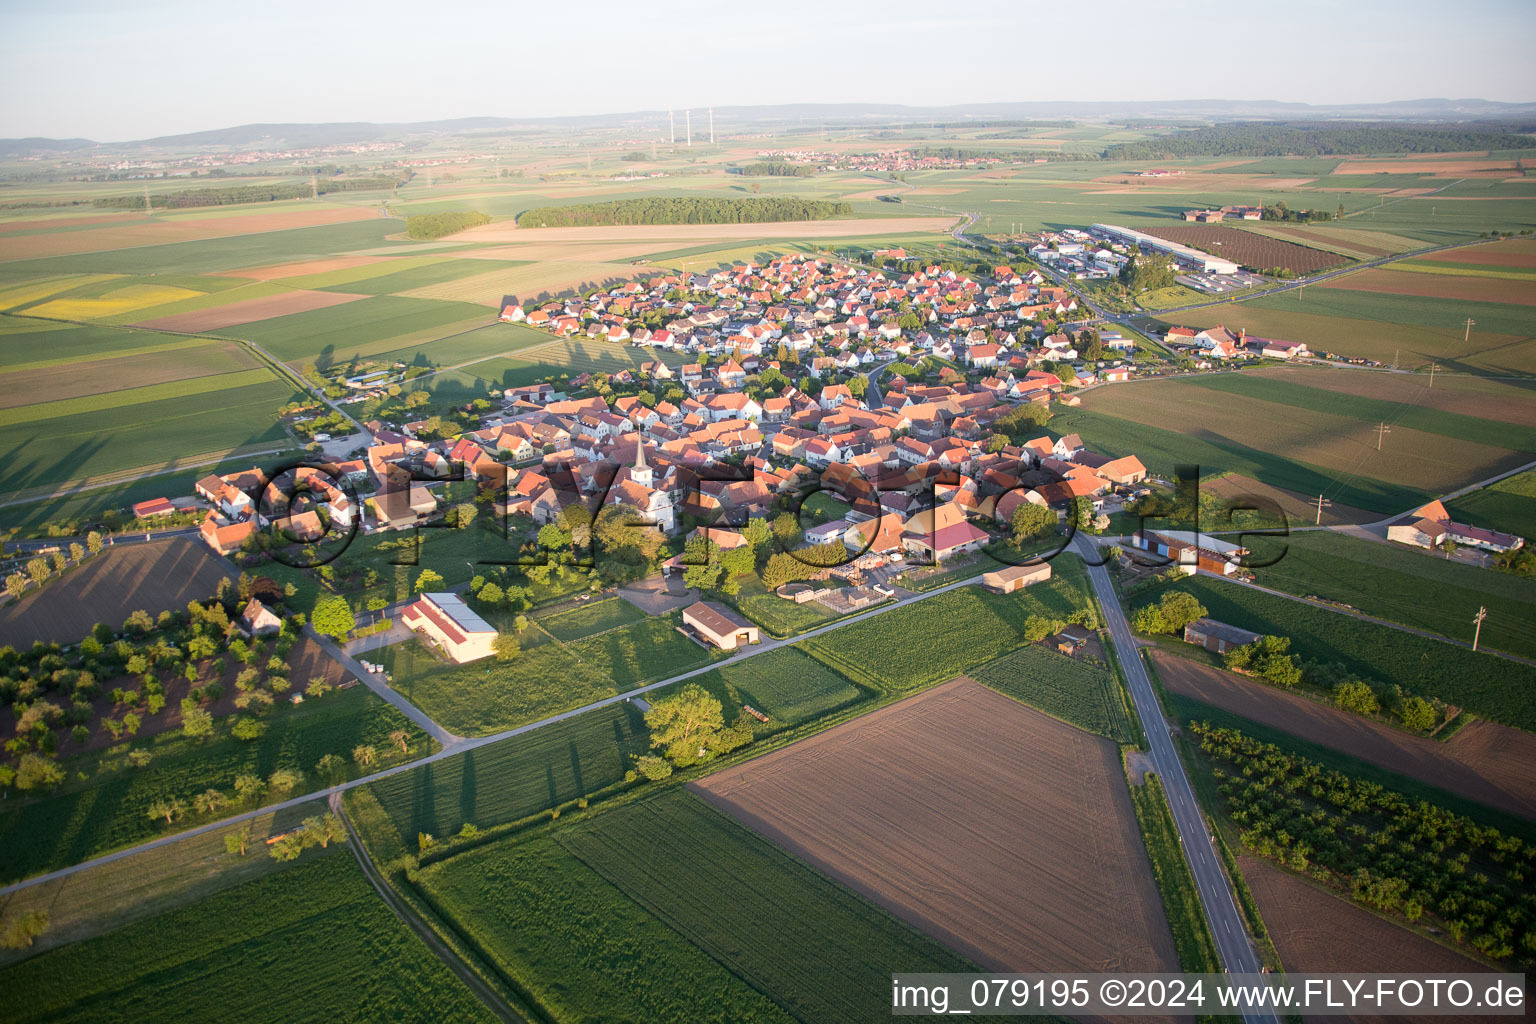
(1512, 252)
(529, 283)
(1490, 763)
(1488, 398)
(182, 230)
(1341, 446)
(1029, 859)
(590, 252)
(155, 577)
(1438, 286)
(506, 231)
(248, 311)
(65, 220)
(1248, 248)
(281, 270)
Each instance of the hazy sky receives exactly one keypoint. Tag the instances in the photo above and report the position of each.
(86, 68)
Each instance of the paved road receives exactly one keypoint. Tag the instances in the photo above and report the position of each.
(1226, 923)
(384, 690)
(458, 745)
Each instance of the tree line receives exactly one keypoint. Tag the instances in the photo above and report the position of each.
(678, 210)
(232, 194)
(1259, 139)
(436, 225)
(775, 169)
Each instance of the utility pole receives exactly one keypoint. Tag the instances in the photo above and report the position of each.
(314, 186)
(1467, 337)
(1432, 368)
(148, 207)
(1380, 431)
(1477, 622)
(1394, 357)
(1321, 503)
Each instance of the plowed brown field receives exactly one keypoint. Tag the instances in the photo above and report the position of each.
(249, 311)
(1517, 253)
(155, 577)
(1492, 764)
(1316, 932)
(1438, 286)
(998, 830)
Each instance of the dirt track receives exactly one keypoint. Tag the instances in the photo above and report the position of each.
(1002, 832)
(1492, 764)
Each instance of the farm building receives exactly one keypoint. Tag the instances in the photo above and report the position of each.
(452, 625)
(1217, 636)
(719, 625)
(152, 507)
(1185, 548)
(224, 536)
(1432, 526)
(1015, 577)
(1422, 533)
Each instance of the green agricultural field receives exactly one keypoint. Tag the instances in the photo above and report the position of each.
(212, 255)
(363, 327)
(820, 952)
(777, 616)
(1390, 582)
(643, 651)
(1508, 506)
(108, 808)
(477, 342)
(1411, 310)
(825, 939)
(34, 344)
(787, 685)
(313, 923)
(417, 277)
(596, 954)
(908, 648)
(1372, 410)
(1074, 691)
(567, 356)
(490, 695)
(1160, 450)
(1485, 684)
(500, 783)
(150, 434)
(570, 624)
(108, 896)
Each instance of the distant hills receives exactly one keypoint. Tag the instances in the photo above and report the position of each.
(302, 136)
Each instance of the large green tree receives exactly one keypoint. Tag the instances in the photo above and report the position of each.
(682, 724)
(333, 617)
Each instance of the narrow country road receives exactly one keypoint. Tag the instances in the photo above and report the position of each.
(1226, 923)
(486, 994)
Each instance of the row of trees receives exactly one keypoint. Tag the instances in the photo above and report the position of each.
(682, 210)
(229, 195)
(776, 169)
(1281, 138)
(38, 569)
(1400, 856)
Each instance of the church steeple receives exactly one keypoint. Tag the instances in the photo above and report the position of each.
(640, 473)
